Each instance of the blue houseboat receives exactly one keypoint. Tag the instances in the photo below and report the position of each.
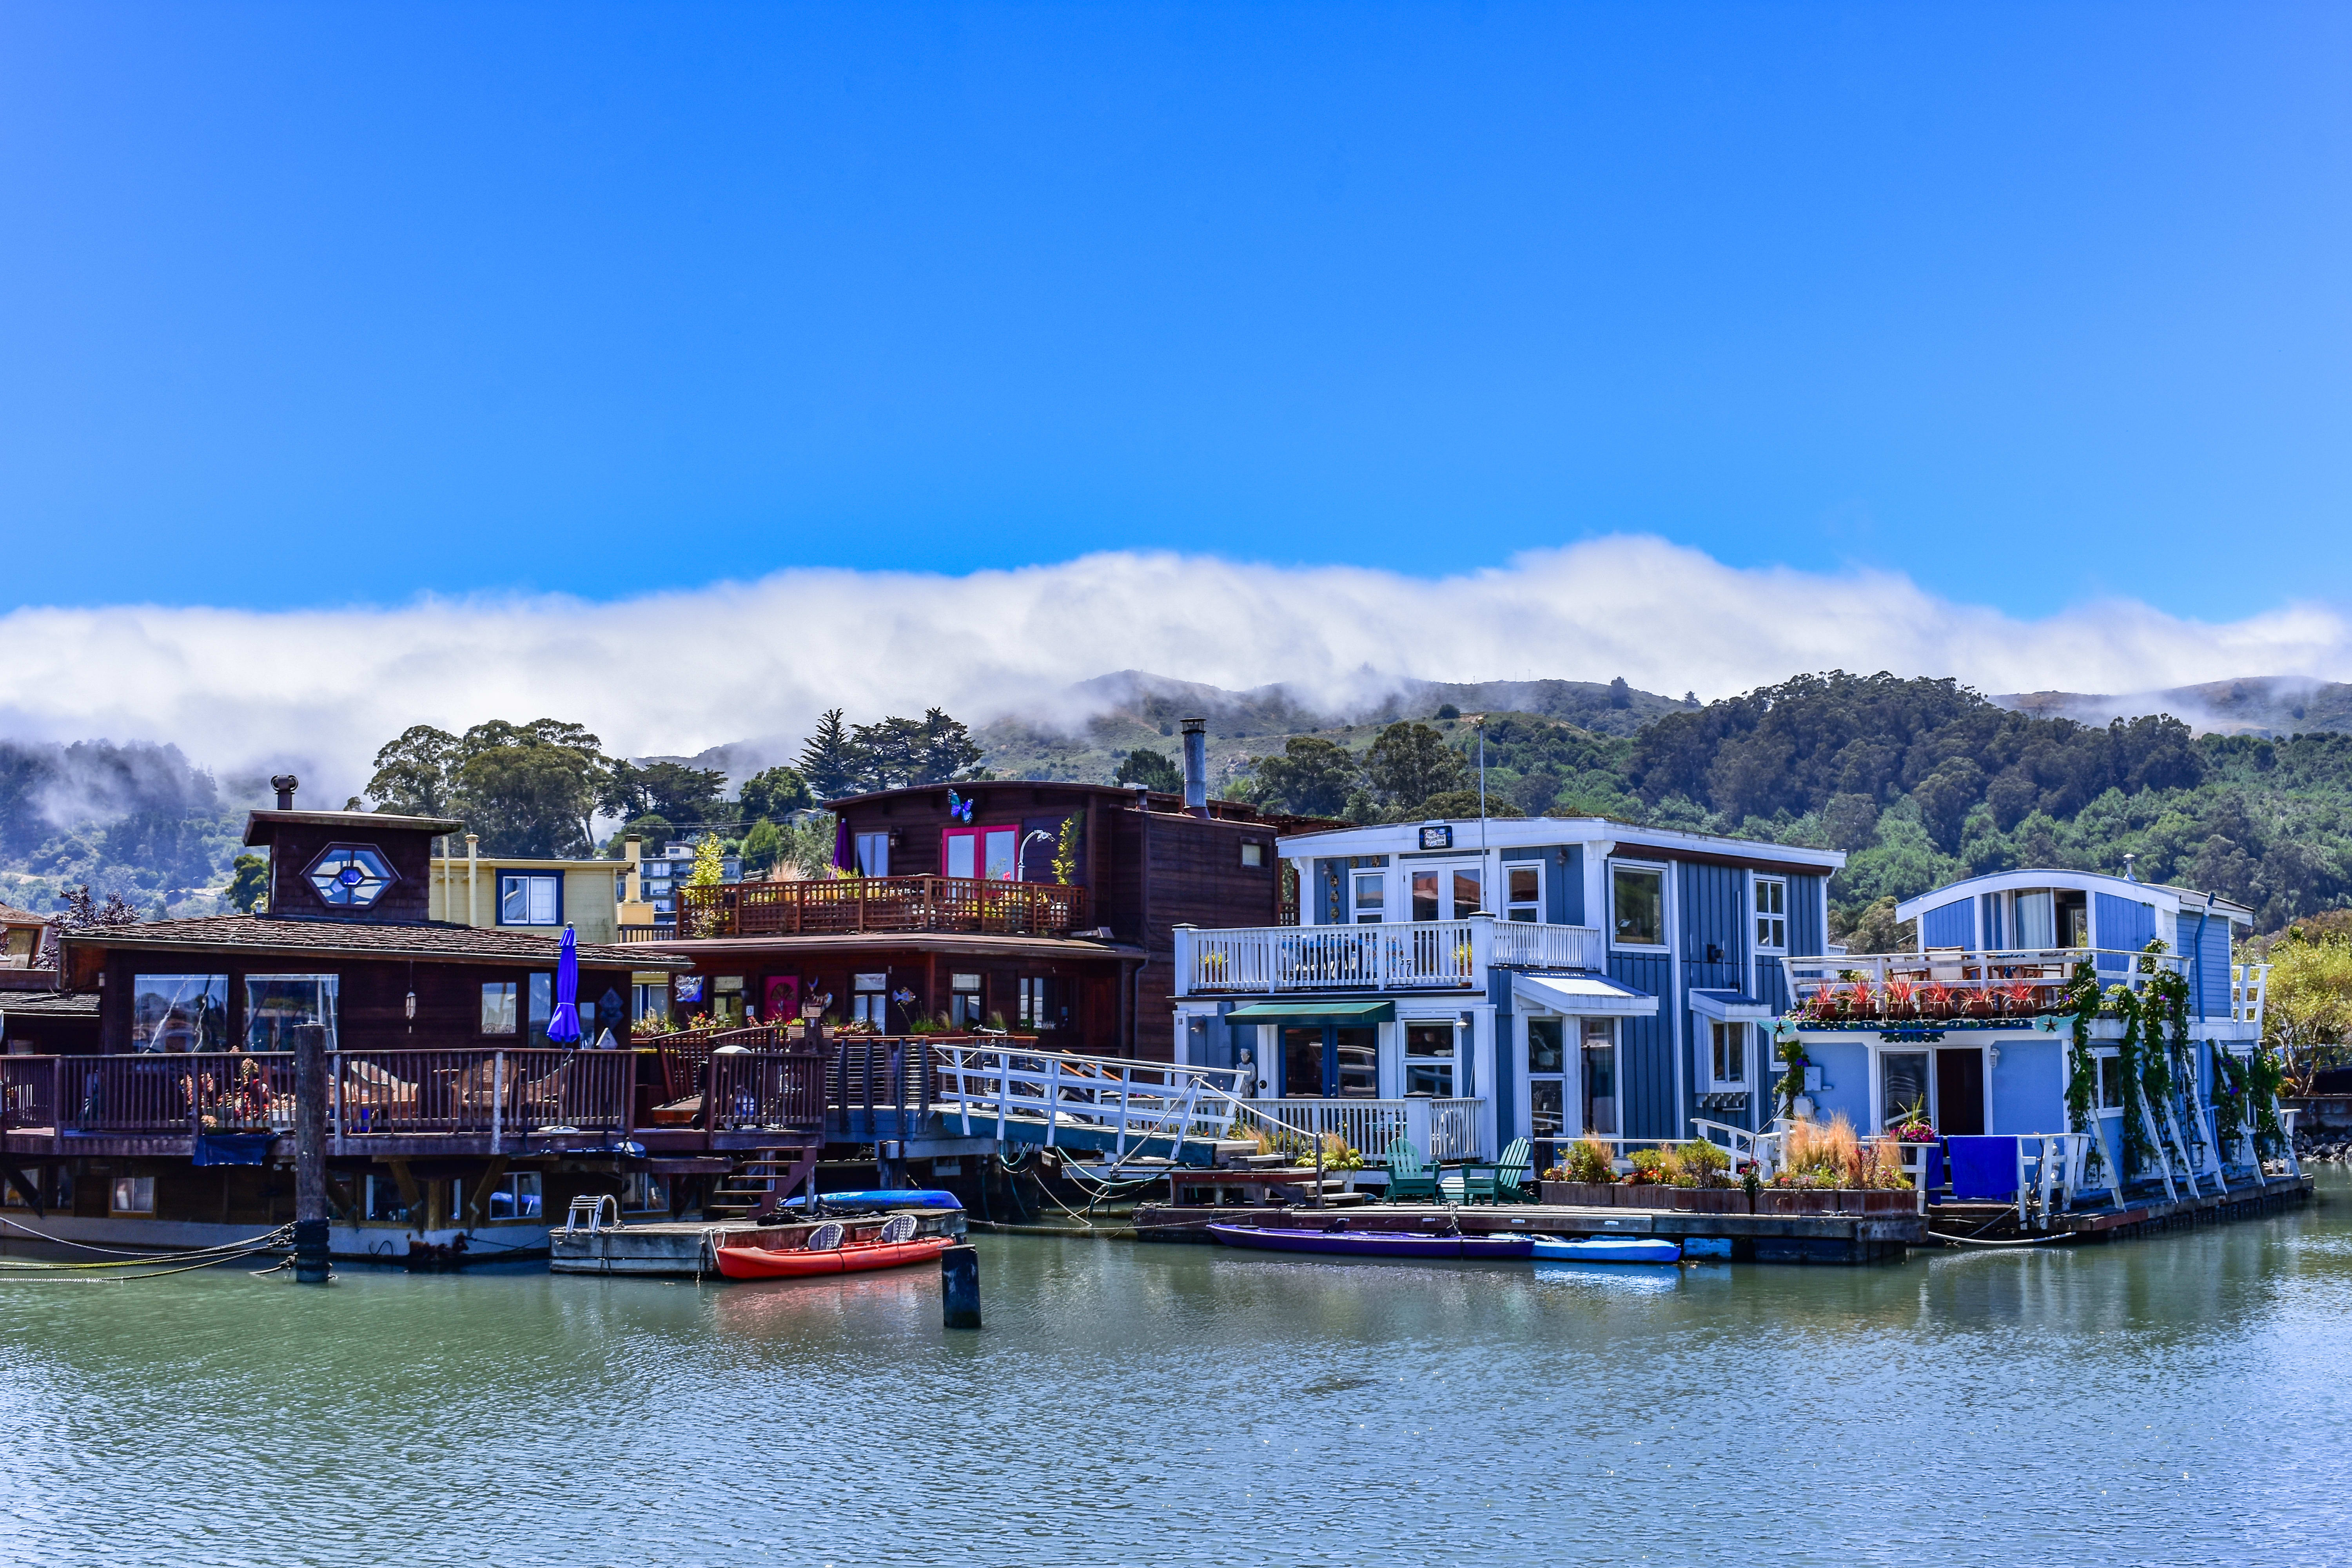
(1464, 983)
(1975, 1036)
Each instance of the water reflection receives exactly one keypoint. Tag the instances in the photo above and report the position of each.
(1162, 1404)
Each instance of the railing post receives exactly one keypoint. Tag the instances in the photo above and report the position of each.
(1187, 967)
(1053, 1096)
(498, 1098)
(1416, 1129)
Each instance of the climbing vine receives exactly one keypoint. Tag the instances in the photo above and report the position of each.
(2082, 1000)
(1792, 1081)
(2265, 1071)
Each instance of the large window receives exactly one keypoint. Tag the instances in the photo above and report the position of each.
(986, 852)
(1903, 1085)
(1038, 1006)
(1638, 905)
(1523, 893)
(517, 1197)
(1371, 897)
(499, 1007)
(277, 1006)
(869, 1001)
(1446, 893)
(963, 1001)
(1728, 1058)
(529, 899)
(1771, 914)
(1429, 1059)
(179, 1013)
(874, 854)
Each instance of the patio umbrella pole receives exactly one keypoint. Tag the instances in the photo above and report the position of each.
(311, 1266)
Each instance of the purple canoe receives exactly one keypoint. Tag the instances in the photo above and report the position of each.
(1373, 1243)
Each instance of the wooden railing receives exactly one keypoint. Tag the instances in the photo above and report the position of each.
(766, 1090)
(1400, 956)
(848, 905)
(489, 1094)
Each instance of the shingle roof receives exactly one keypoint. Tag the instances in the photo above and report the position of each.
(434, 940)
(10, 915)
(50, 1004)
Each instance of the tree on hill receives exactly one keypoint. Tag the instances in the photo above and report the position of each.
(1409, 763)
(897, 753)
(1151, 769)
(416, 774)
(762, 847)
(1313, 777)
(674, 791)
(531, 789)
(775, 794)
(251, 883)
(829, 759)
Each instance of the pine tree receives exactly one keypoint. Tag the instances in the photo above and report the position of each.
(829, 759)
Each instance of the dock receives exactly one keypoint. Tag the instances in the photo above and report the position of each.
(1745, 1237)
(688, 1248)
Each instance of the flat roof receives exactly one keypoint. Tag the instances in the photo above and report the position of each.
(255, 821)
(1538, 832)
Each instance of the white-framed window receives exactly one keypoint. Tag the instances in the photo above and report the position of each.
(870, 1000)
(1727, 1055)
(133, 1195)
(499, 1007)
(1371, 894)
(1547, 1086)
(517, 1195)
(1771, 914)
(2111, 1082)
(874, 854)
(531, 899)
(1523, 891)
(1637, 905)
(1430, 1057)
(1599, 1042)
(1903, 1086)
(1253, 852)
(1447, 892)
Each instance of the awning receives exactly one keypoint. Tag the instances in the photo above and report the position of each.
(1344, 1014)
(1582, 994)
(1730, 1007)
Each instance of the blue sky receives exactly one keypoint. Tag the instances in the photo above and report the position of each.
(324, 305)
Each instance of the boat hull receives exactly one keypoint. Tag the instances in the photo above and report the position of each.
(1606, 1249)
(760, 1263)
(1371, 1243)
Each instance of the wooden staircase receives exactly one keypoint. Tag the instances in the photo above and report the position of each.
(758, 1187)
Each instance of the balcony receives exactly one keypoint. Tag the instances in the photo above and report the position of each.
(849, 906)
(1419, 955)
(1972, 986)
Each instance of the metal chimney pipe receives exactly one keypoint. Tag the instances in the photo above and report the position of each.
(285, 784)
(1196, 765)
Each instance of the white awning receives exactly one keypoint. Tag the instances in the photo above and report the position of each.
(1581, 994)
(1730, 1007)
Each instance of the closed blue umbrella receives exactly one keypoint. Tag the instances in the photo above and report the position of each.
(563, 1027)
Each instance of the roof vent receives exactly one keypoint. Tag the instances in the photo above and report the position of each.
(285, 784)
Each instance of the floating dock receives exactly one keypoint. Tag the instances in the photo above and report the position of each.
(1761, 1238)
(687, 1249)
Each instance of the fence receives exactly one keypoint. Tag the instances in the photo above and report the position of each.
(1400, 956)
(848, 905)
(985, 1088)
(1438, 1129)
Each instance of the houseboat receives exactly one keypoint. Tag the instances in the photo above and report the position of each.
(2097, 1018)
(1465, 983)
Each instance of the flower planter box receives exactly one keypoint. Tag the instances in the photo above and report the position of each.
(1580, 1195)
(1825, 1201)
(1710, 1200)
(1648, 1196)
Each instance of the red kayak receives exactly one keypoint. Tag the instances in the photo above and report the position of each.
(826, 1253)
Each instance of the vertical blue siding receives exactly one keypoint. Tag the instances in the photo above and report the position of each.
(2029, 1087)
(1645, 1061)
(1510, 1062)
(1948, 925)
(1993, 936)
(1845, 1080)
(2209, 977)
(1806, 937)
(2123, 923)
(1330, 882)
(1713, 939)
(1568, 902)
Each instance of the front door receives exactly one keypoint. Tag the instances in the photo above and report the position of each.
(1330, 1061)
(1447, 892)
(782, 1002)
(1960, 1093)
(1302, 1060)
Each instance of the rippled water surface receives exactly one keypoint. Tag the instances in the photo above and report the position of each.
(2177, 1400)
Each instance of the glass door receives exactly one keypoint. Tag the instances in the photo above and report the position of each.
(1352, 1064)
(1302, 1061)
(1599, 1040)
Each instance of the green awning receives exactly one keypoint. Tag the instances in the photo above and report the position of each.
(1344, 1014)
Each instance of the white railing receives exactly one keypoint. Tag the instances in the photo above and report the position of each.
(2250, 987)
(1439, 1129)
(1953, 984)
(983, 1089)
(1399, 955)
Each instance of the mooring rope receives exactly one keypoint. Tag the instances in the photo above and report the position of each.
(223, 1252)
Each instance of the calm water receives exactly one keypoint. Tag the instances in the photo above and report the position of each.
(2181, 1399)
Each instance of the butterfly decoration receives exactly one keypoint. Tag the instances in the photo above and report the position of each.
(959, 809)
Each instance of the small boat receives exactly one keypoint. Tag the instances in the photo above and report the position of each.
(1345, 1243)
(824, 1250)
(899, 1198)
(1606, 1249)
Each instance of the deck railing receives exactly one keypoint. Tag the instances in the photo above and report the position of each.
(1967, 985)
(851, 905)
(486, 1093)
(1437, 1129)
(1416, 956)
(982, 1089)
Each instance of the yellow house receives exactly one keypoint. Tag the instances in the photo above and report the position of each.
(596, 898)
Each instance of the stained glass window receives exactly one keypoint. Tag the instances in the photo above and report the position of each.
(351, 876)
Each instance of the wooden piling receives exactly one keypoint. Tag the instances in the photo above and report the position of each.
(959, 1287)
(311, 1266)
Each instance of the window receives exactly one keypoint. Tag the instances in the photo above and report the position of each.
(1903, 1085)
(179, 1013)
(1253, 852)
(498, 1006)
(1599, 1046)
(869, 1001)
(1429, 1060)
(985, 852)
(645, 1191)
(874, 854)
(1448, 893)
(1771, 914)
(2073, 919)
(385, 1199)
(1547, 1088)
(529, 899)
(2111, 1083)
(517, 1197)
(963, 1001)
(350, 876)
(649, 1005)
(1036, 1003)
(1355, 1062)
(726, 1002)
(1371, 897)
(133, 1195)
(278, 1004)
(1638, 902)
(1467, 899)
(1730, 1054)
(1523, 893)
(1425, 896)
(539, 1006)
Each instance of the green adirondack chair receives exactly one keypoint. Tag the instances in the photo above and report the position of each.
(1503, 1181)
(1408, 1182)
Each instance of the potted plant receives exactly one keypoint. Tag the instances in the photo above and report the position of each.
(1585, 1177)
(1700, 1172)
(1900, 996)
(1645, 1186)
(1935, 1000)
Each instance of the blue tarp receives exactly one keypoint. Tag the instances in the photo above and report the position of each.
(233, 1148)
(1983, 1169)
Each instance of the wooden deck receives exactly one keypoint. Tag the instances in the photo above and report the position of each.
(1956, 1223)
(1761, 1238)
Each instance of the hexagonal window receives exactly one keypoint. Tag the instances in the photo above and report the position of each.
(351, 876)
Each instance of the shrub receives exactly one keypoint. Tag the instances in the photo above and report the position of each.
(1699, 1163)
(1649, 1165)
(1591, 1160)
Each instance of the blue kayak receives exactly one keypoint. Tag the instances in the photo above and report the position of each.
(1606, 1249)
(901, 1198)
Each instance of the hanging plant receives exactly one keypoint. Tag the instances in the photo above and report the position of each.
(1792, 1081)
